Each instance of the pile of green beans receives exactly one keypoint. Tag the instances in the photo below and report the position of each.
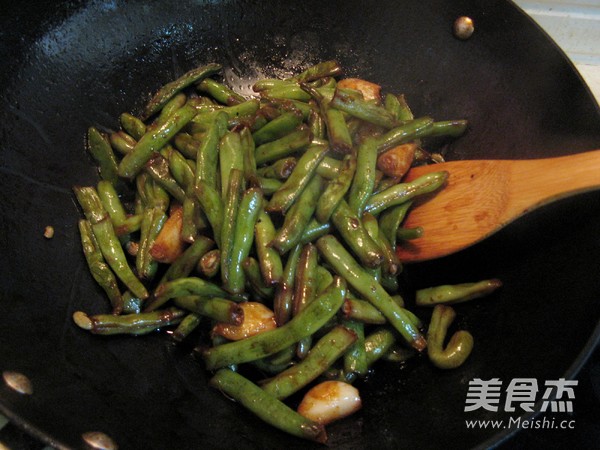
(209, 199)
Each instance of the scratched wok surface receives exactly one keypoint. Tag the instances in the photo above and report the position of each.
(69, 65)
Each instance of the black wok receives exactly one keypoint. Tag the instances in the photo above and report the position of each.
(68, 65)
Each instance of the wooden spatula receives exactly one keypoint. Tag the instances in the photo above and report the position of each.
(482, 196)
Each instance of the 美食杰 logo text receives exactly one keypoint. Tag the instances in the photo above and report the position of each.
(521, 395)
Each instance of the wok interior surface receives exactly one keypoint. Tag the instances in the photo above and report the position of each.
(76, 64)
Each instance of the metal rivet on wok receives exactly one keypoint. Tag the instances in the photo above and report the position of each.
(18, 382)
(99, 440)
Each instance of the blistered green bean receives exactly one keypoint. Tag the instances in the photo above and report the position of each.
(456, 293)
(346, 266)
(101, 150)
(100, 271)
(324, 353)
(153, 141)
(459, 347)
(170, 89)
(265, 406)
(308, 321)
(299, 178)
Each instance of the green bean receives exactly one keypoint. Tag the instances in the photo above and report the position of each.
(372, 230)
(403, 192)
(176, 102)
(314, 230)
(170, 89)
(268, 185)
(153, 141)
(324, 279)
(219, 92)
(349, 102)
(324, 353)
(377, 345)
(362, 186)
(187, 144)
(283, 302)
(345, 265)
(235, 114)
(336, 189)
(321, 70)
(208, 152)
(299, 178)
(133, 126)
(279, 170)
(158, 169)
(459, 347)
(249, 209)
(289, 91)
(404, 112)
(151, 193)
(249, 155)
(122, 142)
(131, 303)
(298, 217)
(285, 146)
(209, 263)
(271, 266)
(269, 367)
(181, 170)
(363, 311)
(107, 239)
(316, 122)
(184, 265)
(305, 289)
(404, 133)
(111, 202)
(338, 134)
(409, 233)
(391, 263)
(390, 220)
(392, 104)
(230, 157)
(254, 279)
(268, 83)
(152, 222)
(278, 127)
(100, 271)
(182, 287)
(219, 309)
(456, 293)
(142, 323)
(266, 407)
(189, 226)
(355, 235)
(306, 323)
(212, 205)
(329, 168)
(101, 151)
(451, 128)
(355, 358)
(186, 326)
(230, 211)
(384, 182)
(289, 105)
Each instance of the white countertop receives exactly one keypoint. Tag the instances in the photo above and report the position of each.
(575, 26)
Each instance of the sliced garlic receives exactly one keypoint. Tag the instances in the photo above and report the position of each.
(257, 319)
(370, 91)
(329, 401)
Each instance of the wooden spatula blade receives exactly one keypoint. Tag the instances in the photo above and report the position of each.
(482, 196)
